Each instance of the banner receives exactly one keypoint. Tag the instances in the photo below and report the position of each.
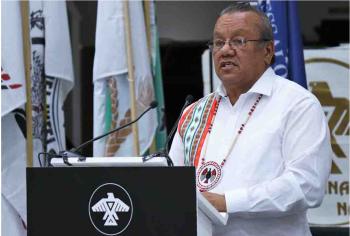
(284, 19)
(327, 73)
(111, 86)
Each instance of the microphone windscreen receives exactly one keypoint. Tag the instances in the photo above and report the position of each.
(153, 104)
(189, 98)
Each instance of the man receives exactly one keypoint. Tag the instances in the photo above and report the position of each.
(260, 143)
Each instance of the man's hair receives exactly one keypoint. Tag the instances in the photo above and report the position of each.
(264, 26)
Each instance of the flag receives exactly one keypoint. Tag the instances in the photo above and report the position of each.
(111, 87)
(59, 77)
(13, 143)
(289, 57)
(51, 79)
(38, 91)
(13, 164)
(12, 224)
(13, 92)
(161, 133)
(51, 74)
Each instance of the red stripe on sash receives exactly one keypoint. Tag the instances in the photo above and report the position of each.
(206, 129)
(183, 117)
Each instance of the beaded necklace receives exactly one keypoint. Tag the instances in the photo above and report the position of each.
(209, 173)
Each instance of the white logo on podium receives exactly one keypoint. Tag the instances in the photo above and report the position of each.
(111, 206)
(110, 209)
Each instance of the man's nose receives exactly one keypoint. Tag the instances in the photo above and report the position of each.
(228, 49)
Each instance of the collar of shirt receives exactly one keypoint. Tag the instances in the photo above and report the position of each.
(262, 86)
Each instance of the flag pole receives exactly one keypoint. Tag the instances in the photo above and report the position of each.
(146, 10)
(27, 63)
(147, 16)
(131, 76)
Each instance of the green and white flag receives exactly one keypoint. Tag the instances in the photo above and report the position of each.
(161, 133)
(111, 86)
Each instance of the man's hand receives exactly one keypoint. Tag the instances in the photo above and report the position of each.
(217, 200)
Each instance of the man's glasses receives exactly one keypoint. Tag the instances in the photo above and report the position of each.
(238, 43)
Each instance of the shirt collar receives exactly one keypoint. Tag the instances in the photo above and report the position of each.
(262, 86)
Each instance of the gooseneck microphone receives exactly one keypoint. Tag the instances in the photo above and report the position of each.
(153, 104)
(188, 101)
(74, 152)
(165, 151)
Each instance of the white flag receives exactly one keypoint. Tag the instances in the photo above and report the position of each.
(111, 88)
(38, 92)
(13, 144)
(11, 222)
(58, 70)
(13, 161)
(51, 74)
(12, 66)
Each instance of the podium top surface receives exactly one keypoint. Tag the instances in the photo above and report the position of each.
(110, 162)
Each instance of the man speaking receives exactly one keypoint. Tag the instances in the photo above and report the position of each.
(260, 143)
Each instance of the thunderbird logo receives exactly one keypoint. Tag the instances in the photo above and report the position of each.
(110, 206)
(110, 209)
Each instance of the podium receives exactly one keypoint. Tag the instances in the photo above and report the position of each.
(208, 217)
(144, 199)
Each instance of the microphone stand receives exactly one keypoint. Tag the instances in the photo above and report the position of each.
(165, 151)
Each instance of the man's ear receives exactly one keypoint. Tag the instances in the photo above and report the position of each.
(269, 52)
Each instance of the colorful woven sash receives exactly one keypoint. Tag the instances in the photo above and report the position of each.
(194, 126)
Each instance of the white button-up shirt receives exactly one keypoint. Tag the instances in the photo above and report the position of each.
(279, 165)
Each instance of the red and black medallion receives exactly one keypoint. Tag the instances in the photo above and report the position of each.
(208, 176)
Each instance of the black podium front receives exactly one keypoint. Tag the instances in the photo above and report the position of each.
(111, 201)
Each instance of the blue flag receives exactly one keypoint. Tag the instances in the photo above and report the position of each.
(289, 57)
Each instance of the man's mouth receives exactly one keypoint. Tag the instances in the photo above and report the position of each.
(227, 65)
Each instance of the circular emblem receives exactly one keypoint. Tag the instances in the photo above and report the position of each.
(208, 176)
(110, 209)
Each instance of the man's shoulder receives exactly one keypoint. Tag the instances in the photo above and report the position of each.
(203, 99)
(293, 91)
(202, 102)
(195, 110)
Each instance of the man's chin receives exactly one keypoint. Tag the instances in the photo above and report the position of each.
(228, 78)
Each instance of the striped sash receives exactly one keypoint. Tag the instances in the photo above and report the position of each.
(194, 126)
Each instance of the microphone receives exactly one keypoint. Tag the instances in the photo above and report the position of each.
(165, 151)
(188, 101)
(74, 152)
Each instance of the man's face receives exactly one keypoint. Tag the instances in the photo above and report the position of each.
(239, 67)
